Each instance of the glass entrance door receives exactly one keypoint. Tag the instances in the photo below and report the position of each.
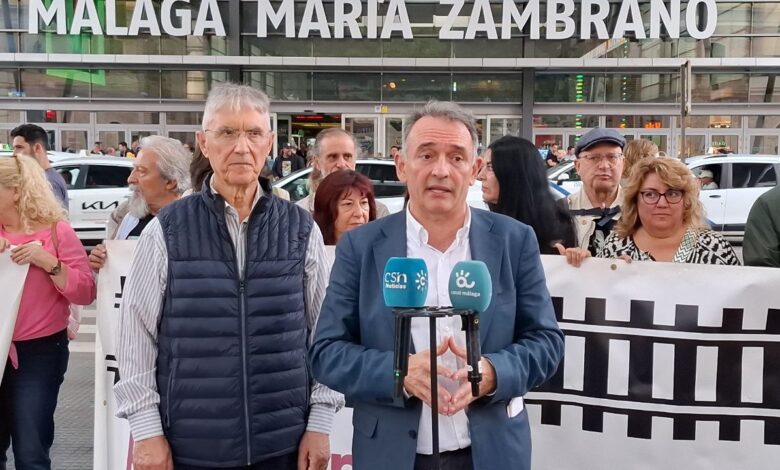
(499, 126)
(764, 143)
(661, 140)
(710, 142)
(365, 129)
(110, 140)
(185, 136)
(137, 134)
(73, 140)
(110, 135)
(393, 133)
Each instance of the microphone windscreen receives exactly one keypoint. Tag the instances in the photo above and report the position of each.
(405, 282)
(470, 286)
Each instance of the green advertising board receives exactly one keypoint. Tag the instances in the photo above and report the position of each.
(78, 44)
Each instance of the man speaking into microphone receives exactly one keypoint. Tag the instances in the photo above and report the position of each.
(521, 344)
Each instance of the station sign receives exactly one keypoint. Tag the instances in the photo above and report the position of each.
(383, 19)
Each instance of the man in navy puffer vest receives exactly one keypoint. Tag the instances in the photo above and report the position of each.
(223, 293)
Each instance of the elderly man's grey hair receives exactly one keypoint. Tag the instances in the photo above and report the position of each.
(334, 131)
(441, 109)
(234, 97)
(173, 160)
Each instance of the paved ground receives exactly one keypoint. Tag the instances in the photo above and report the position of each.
(72, 448)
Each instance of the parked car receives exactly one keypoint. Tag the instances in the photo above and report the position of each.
(565, 176)
(96, 186)
(741, 179)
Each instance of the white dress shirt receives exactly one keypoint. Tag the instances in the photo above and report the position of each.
(453, 430)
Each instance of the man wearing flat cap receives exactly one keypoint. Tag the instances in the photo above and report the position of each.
(596, 206)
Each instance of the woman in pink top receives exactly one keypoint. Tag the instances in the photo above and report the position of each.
(34, 229)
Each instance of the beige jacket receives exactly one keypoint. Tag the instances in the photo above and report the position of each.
(587, 236)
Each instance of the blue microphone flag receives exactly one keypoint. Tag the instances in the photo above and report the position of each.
(470, 286)
(405, 282)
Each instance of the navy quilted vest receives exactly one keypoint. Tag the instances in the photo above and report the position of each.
(232, 367)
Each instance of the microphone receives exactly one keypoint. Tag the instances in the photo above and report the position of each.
(404, 287)
(471, 290)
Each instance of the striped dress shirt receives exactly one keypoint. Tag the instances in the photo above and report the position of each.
(139, 316)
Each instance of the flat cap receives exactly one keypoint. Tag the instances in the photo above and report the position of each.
(597, 136)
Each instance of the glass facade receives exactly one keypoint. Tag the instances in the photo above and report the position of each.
(372, 75)
(607, 88)
(108, 83)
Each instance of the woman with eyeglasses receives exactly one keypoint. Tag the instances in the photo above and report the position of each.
(35, 232)
(344, 200)
(514, 183)
(663, 219)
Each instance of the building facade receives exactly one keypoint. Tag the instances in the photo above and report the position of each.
(152, 74)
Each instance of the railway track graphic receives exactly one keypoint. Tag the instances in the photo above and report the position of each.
(689, 371)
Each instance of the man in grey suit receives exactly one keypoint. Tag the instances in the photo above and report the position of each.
(521, 342)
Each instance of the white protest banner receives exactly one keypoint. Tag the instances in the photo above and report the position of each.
(12, 278)
(666, 366)
(112, 435)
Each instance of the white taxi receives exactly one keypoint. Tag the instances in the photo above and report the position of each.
(96, 186)
(739, 181)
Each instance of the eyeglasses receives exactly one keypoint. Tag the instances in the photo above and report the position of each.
(228, 135)
(672, 196)
(611, 158)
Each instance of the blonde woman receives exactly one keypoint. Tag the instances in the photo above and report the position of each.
(34, 230)
(634, 152)
(663, 219)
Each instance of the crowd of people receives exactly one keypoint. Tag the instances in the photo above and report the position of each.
(247, 321)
